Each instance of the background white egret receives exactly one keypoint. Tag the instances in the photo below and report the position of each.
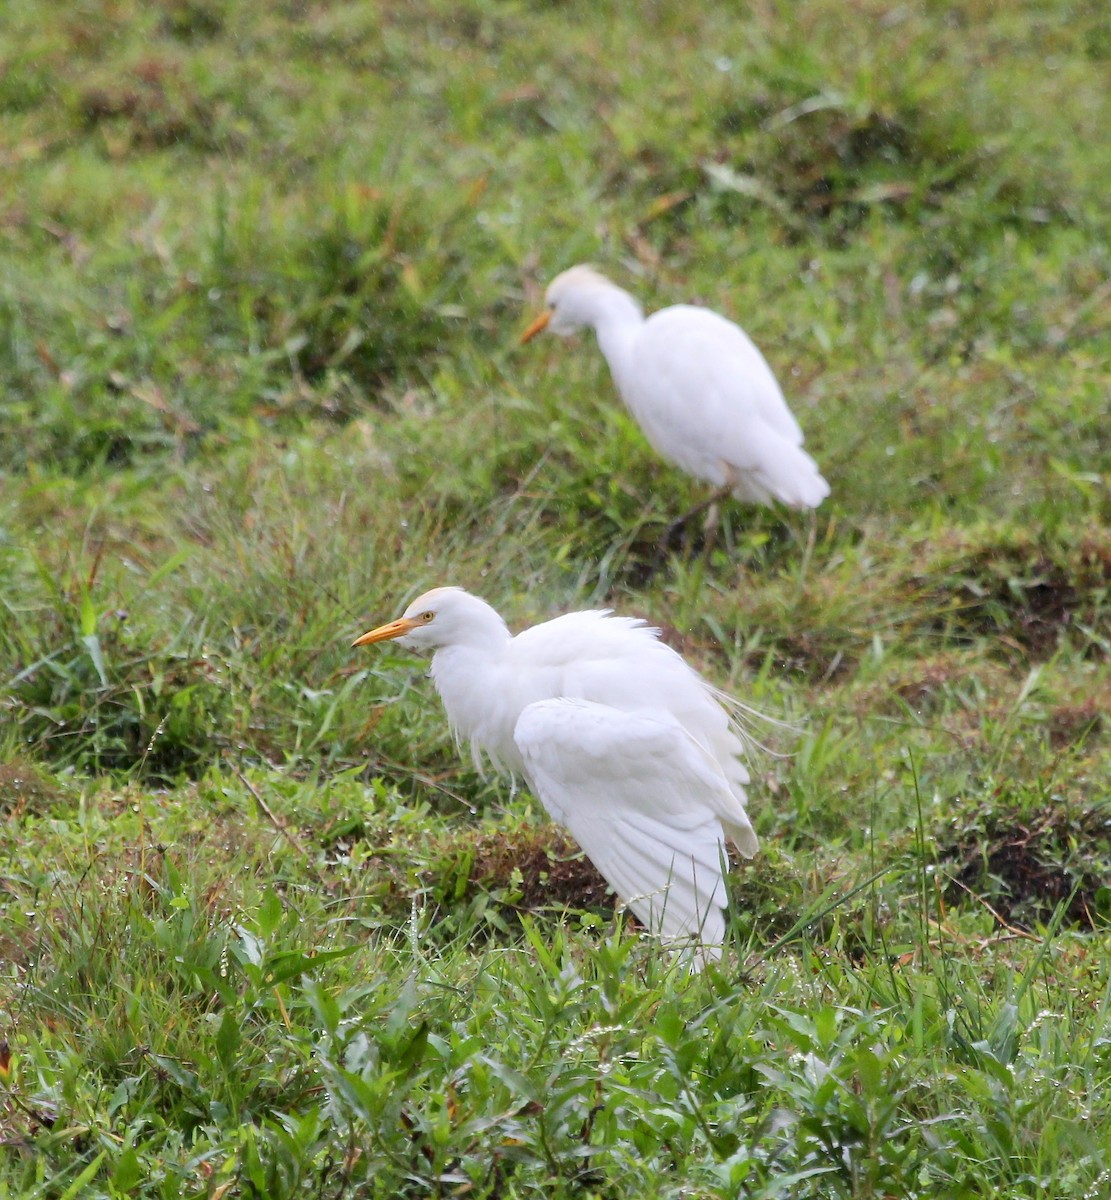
(626, 745)
(697, 386)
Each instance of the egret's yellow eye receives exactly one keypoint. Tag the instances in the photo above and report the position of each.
(427, 616)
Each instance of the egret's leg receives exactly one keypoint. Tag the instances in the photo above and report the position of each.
(710, 529)
(675, 530)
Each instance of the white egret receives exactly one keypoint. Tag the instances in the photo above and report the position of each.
(697, 386)
(625, 745)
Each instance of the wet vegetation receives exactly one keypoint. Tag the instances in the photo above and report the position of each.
(263, 930)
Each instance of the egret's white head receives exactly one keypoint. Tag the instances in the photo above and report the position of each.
(578, 297)
(444, 616)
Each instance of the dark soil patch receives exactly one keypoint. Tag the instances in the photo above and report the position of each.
(1025, 592)
(154, 106)
(933, 684)
(527, 871)
(1070, 724)
(815, 656)
(538, 870)
(1026, 865)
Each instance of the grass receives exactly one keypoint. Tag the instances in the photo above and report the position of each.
(262, 270)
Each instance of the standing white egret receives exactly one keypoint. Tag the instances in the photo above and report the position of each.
(626, 745)
(697, 386)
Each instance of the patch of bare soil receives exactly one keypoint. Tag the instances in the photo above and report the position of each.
(545, 868)
(1073, 723)
(1024, 867)
(1026, 592)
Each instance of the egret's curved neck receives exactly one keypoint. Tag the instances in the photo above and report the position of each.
(617, 321)
(471, 678)
(475, 641)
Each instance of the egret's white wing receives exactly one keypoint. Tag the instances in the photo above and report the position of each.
(616, 661)
(639, 795)
(687, 342)
(620, 661)
(708, 401)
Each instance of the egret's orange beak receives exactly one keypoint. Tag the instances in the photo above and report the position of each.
(538, 326)
(383, 633)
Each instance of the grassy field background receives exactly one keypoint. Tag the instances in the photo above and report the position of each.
(263, 267)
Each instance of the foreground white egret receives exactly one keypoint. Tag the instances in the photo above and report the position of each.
(697, 386)
(626, 745)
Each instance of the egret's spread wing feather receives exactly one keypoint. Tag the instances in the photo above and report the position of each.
(621, 661)
(642, 798)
